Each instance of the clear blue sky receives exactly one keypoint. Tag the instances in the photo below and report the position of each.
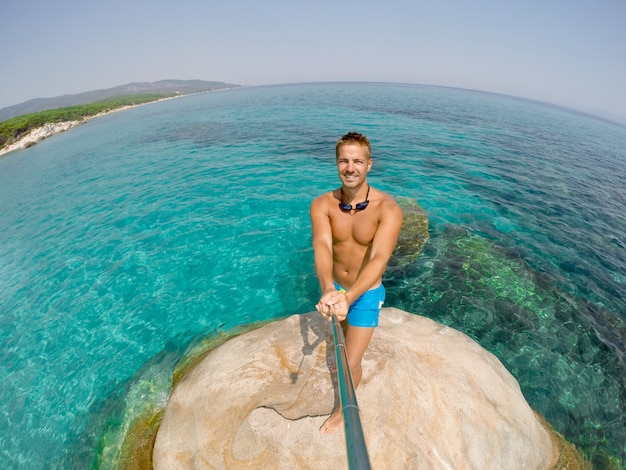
(567, 52)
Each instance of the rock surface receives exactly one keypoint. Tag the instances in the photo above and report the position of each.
(430, 398)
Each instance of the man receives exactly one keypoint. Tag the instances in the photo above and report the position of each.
(355, 229)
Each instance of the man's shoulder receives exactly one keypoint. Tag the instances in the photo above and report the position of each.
(328, 196)
(323, 200)
(388, 208)
(386, 200)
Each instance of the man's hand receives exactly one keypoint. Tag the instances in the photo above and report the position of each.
(333, 302)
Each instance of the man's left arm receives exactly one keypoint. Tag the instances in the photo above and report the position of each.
(383, 245)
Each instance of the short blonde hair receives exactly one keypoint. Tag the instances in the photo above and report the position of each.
(352, 138)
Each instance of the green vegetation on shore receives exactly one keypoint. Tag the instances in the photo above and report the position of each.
(13, 129)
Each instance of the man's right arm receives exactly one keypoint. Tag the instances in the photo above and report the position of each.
(322, 248)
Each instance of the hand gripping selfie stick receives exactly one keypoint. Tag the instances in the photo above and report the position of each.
(355, 441)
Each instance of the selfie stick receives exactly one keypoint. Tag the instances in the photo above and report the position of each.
(355, 441)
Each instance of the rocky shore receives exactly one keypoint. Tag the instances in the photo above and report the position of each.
(39, 134)
(52, 128)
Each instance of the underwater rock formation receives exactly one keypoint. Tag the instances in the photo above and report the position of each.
(430, 397)
(413, 235)
(565, 351)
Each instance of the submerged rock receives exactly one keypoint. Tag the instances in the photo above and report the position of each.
(413, 235)
(430, 398)
(567, 352)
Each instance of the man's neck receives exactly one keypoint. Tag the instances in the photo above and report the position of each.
(359, 193)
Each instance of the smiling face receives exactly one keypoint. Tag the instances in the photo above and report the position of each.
(353, 164)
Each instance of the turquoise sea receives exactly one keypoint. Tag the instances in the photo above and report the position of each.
(127, 240)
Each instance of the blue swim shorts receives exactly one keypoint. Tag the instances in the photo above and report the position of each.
(364, 310)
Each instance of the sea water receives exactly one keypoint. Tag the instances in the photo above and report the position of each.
(127, 239)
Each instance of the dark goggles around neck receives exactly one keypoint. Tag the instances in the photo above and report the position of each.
(359, 206)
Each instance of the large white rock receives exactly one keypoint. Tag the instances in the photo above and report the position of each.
(431, 398)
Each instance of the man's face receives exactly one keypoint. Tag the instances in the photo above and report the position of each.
(353, 165)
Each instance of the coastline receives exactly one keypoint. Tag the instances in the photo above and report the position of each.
(39, 134)
(52, 128)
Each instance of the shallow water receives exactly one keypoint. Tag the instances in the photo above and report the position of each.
(127, 239)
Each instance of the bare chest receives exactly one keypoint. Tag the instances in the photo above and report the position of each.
(353, 228)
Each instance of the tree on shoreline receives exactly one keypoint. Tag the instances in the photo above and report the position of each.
(15, 128)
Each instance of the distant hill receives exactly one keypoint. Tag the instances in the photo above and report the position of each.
(183, 87)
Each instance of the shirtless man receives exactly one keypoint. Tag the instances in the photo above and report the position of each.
(355, 229)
